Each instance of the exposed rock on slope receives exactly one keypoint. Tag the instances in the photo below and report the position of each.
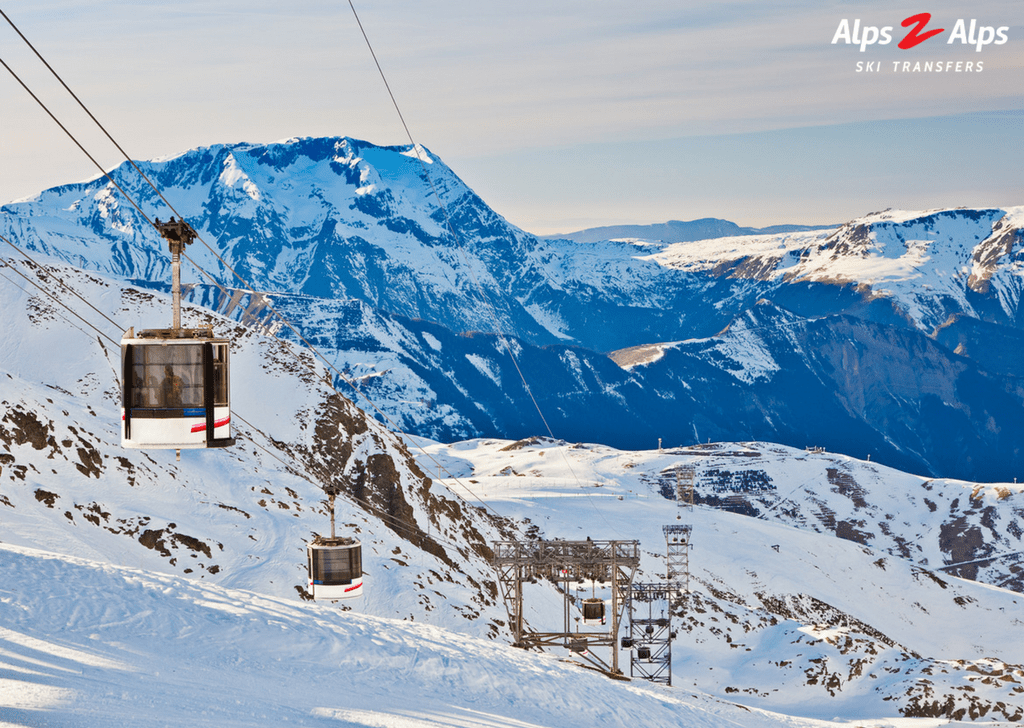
(239, 516)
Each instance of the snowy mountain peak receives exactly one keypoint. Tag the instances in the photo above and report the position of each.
(348, 240)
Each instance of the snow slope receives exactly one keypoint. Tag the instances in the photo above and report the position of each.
(90, 644)
(796, 610)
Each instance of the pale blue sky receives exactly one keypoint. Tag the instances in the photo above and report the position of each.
(562, 115)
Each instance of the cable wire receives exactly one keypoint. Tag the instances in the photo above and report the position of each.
(246, 285)
(77, 143)
(448, 223)
(80, 103)
(63, 285)
(56, 300)
(465, 259)
(6, 264)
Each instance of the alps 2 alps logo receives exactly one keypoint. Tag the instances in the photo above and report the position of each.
(920, 29)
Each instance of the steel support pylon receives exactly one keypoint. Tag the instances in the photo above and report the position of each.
(677, 556)
(650, 632)
(178, 234)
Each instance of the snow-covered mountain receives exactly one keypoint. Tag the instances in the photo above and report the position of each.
(897, 334)
(815, 589)
(822, 586)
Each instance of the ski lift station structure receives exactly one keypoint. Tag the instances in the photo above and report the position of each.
(565, 563)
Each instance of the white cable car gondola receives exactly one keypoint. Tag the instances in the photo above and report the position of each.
(578, 645)
(335, 568)
(335, 563)
(593, 611)
(175, 392)
(175, 382)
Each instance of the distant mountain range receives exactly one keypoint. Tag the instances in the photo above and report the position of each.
(897, 335)
(677, 231)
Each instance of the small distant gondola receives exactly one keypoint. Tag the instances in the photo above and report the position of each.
(593, 611)
(335, 563)
(335, 568)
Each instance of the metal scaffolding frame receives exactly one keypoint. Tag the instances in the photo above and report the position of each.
(650, 637)
(677, 556)
(677, 536)
(564, 562)
(684, 486)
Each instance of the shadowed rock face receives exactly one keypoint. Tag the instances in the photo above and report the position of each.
(1004, 241)
(382, 477)
(848, 384)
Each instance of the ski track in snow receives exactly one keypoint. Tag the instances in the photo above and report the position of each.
(104, 645)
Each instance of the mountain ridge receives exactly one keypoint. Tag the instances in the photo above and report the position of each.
(679, 231)
(337, 224)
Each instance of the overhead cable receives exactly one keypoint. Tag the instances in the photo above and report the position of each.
(465, 258)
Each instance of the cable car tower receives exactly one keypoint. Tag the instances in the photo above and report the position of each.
(175, 382)
(566, 562)
(335, 563)
(650, 637)
(677, 536)
(684, 487)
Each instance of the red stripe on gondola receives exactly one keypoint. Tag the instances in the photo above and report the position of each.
(354, 587)
(218, 423)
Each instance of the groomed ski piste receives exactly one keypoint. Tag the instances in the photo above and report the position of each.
(84, 643)
(90, 644)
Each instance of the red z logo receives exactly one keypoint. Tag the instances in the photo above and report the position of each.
(915, 36)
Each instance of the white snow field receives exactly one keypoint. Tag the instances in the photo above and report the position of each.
(783, 618)
(90, 644)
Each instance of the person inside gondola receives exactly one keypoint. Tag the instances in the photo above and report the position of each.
(173, 387)
(151, 393)
(138, 391)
